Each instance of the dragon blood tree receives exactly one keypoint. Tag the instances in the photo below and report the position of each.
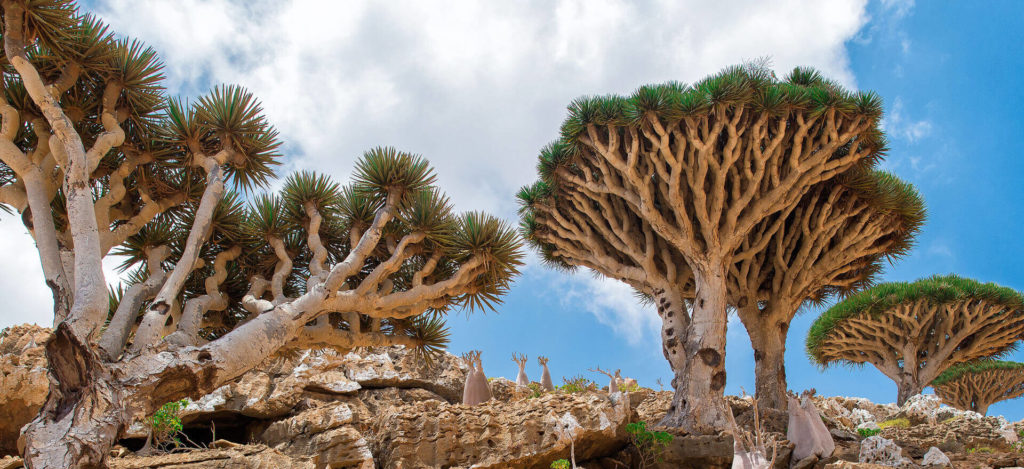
(914, 331)
(661, 190)
(97, 161)
(831, 243)
(979, 384)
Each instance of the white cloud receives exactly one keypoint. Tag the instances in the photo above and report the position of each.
(476, 87)
(614, 304)
(25, 296)
(896, 123)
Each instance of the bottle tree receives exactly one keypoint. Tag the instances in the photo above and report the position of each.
(914, 331)
(673, 180)
(832, 242)
(96, 160)
(979, 384)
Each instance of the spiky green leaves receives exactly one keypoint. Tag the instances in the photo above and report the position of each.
(497, 243)
(749, 85)
(980, 366)
(884, 298)
(386, 172)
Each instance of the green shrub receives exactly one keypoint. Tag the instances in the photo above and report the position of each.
(900, 423)
(166, 423)
(560, 464)
(633, 387)
(983, 449)
(577, 384)
(650, 445)
(866, 432)
(535, 391)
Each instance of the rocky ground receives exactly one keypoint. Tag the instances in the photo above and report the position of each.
(379, 408)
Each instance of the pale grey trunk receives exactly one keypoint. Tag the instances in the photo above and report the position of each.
(907, 387)
(696, 351)
(768, 338)
(84, 412)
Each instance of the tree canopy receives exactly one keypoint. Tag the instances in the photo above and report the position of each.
(913, 331)
(662, 190)
(977, 385)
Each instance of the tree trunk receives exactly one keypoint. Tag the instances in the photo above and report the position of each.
(768, 338)
(83, 414)
(696, 352)
(907, 388)
(980, 407)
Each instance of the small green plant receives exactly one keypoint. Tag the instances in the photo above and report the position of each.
(631, 387)
(868, 432)
(166, 424)
(535, 391)
(650, 445)
(577, 384)
(899, 423)
(561, 464)
(983, 449)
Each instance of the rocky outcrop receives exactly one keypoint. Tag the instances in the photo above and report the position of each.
(23, 381)
(935, 457)
(498, 434)
(240, 457)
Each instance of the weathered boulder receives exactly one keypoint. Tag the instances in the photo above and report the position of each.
(23, 380)
(323, 434)
(935, 457)
(497, 434)
(878, 450)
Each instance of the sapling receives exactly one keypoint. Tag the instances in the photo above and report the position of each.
(467, 358)
(521, 378)
(481, 391)
(613, 384)
(750, 450)
(545, 379)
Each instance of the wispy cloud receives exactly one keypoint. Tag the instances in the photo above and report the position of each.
(898, 124)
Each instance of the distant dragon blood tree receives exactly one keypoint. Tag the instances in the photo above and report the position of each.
(832, 242)
(977, 385)
(97, 161)
(663, 189)
(912, 332)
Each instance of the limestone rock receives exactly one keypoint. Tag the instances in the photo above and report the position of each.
(922, 408)
(935, 457)
(10, 462)
(855, 465)
(395, 367)
(241, 457)
(23, 380)
(497, 434)
(878, 450)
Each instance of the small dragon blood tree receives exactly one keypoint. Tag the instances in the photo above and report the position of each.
(97, 160)
(662, 190)
(914, 331)
(979, 384)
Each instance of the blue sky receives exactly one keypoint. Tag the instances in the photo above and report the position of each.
(480, 87)
(950, 74)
